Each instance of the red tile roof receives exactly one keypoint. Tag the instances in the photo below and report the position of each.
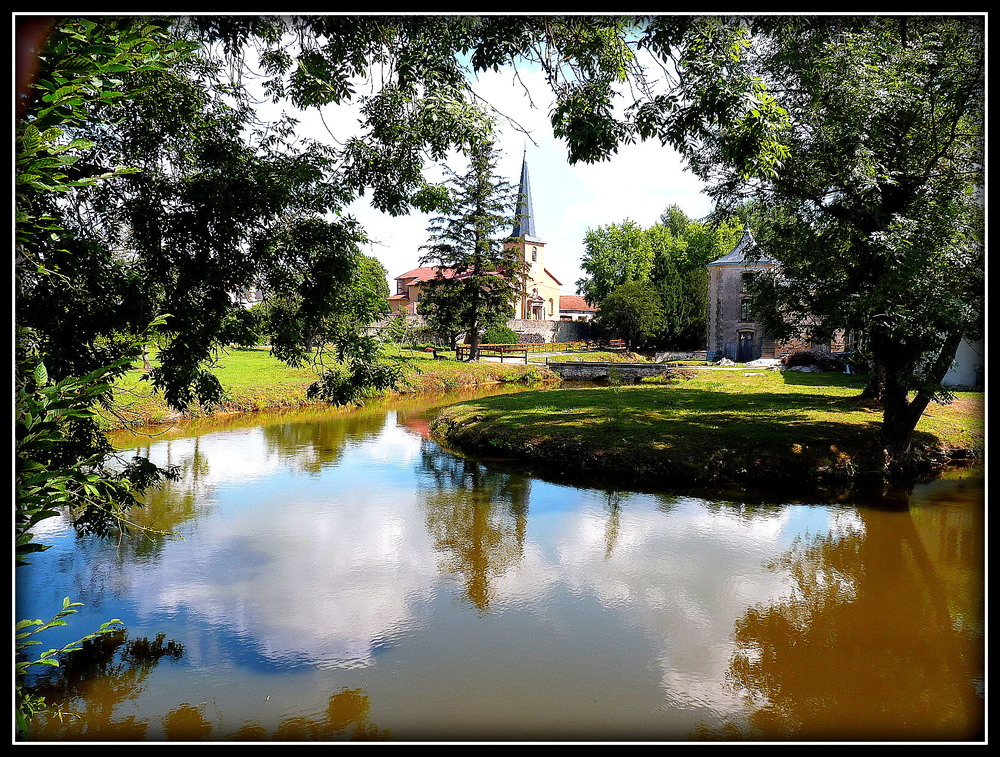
(573, 302)
(423, 274)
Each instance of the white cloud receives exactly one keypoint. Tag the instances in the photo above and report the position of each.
(638, 182)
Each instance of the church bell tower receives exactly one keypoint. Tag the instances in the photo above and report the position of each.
(538, 302)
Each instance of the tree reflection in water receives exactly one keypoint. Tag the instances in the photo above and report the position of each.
(92, 683)
(346, 718)
(89, 685)
(477, 517)
(869, 645)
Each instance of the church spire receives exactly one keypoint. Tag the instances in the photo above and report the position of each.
(524, 221)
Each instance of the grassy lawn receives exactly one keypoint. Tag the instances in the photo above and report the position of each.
(253, 381)
(717, 425)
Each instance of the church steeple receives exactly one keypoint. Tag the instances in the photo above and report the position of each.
(524, 221)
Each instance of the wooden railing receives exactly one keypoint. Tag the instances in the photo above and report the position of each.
(501, 351)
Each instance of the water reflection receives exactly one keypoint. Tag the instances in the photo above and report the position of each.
(443, 598)
(865, 645)
(346, 717)
(93, 683)
(477, 518)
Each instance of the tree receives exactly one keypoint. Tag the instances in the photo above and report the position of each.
(672, 256)
(682, 248)
(634, 311)
(875, 216)
(443, 307)
(613, 255)
(479, 275)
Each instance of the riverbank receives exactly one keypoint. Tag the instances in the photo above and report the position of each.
(767, 428)
(254, 381)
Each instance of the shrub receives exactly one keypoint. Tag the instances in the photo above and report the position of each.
(500, 335)
(825, 361)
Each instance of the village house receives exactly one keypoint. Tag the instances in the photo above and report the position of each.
(574, 308)
(733, 332)
(540, 300)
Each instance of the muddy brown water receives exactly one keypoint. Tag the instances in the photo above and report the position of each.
(336, 575)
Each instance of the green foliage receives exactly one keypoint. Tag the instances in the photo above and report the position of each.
(444, 307)
(613, 255)
(479, 275)
(500, 334)
(26, 705)
(634, 311)
(682, 248)
(670, 255)
(395, 329)
(53, 424)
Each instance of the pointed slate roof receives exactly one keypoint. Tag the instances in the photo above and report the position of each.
(746, 252)
(524, 220)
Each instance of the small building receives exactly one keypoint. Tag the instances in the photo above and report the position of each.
(574, 308)
(410, 288)
(733, 332)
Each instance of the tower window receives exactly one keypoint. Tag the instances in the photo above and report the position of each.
(745, 314)
(534, 254)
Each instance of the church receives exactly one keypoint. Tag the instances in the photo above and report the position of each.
(540, 299)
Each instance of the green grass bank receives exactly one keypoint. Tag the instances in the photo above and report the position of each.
(761, 428)
(254, 381)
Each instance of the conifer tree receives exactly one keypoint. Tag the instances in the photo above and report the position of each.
(476, 267)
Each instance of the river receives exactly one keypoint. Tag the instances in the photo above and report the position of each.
(336, 575)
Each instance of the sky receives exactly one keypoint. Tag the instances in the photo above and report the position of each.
(638, 183)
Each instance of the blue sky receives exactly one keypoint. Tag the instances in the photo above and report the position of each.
(638, 183)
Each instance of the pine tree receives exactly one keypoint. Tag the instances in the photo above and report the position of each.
(475, 264)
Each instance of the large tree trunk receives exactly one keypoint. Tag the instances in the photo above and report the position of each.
(473, 335)
(900, 414)
(876, 382)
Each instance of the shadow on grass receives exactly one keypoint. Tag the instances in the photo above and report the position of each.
(824, 378)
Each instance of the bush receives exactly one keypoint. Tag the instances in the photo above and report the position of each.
(824, 361)
(500, 335)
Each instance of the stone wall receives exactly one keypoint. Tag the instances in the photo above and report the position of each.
(629, 373)
(555, 331)
(666, 357)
